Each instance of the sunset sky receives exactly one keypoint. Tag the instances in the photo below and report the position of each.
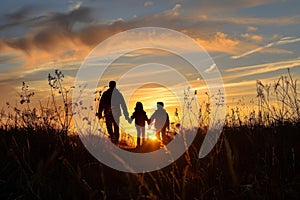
(248, 39)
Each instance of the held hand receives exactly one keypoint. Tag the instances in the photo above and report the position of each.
(128, 119)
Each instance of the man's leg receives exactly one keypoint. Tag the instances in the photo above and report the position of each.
(109, 124)
(164, 135)
(158, 135)
(116, 129)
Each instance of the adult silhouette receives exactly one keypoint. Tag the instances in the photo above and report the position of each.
(111, 103)
(162, 122)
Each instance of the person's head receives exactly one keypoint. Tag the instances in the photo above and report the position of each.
(160, 105)
(139, 106)
(112, 84)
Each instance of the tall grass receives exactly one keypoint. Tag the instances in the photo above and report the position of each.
(256, 156)
(285, 105)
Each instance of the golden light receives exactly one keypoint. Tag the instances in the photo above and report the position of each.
(150, 94)
(153, 137)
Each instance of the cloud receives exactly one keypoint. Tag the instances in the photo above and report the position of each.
(46, 19)
(211, 68)
(56, 33)
(262, 68)
(26, 21)
(286, 40)
(71, 35)
(256, 38)
(220, 42)
(278, 21)
(53, 33)
(240, 81)
(148, 3)
(7, 57)
(174, 12)
(22, 13)
(250, 21)
(251, 28)
(74, 5)
(66, 21)
(36, 76)
(59, 31)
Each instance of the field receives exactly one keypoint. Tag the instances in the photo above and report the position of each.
(256, 158)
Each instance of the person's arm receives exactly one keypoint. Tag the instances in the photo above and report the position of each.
(152, 118)
(133, 115)
(131, 118)
(124, 107)
(147, 119)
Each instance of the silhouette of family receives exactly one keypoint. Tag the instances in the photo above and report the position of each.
(111, 103)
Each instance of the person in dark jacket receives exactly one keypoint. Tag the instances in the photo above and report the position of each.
(111, 103)
(141, 118)
(162, 122)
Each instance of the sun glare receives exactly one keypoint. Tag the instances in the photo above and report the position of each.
(153, 137)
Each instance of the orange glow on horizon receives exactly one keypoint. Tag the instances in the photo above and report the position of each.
(149, 95)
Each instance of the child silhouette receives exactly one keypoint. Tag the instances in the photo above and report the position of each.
(162, 122)
(140, 118)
